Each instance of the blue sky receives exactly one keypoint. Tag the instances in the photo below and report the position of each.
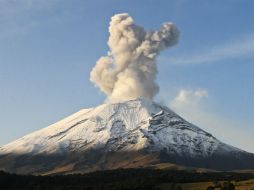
(48, 47)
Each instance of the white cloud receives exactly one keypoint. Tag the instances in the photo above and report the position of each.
(185, 96)
(238, 49)
(193, 106)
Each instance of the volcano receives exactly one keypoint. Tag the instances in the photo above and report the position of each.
(130, 134)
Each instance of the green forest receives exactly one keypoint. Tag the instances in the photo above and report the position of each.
(122, 179)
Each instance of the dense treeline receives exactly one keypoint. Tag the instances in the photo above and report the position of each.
(126, 179)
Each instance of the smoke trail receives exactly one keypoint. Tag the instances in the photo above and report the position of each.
(129, 70)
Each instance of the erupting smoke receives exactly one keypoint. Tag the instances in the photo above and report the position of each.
(129, 70)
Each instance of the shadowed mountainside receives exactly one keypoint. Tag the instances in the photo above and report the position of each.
(131, 134)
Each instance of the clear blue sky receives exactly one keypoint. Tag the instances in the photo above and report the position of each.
(48, 47)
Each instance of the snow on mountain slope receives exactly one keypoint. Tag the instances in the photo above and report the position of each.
(129, 126)
(138, 123)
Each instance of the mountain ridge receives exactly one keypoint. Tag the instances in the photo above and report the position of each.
(135, 133)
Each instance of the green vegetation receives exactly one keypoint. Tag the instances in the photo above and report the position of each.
(225, 186)
(123, 179)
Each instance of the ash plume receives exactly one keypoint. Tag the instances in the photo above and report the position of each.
(129, 70)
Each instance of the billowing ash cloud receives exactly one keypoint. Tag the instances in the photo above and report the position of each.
(129, 70)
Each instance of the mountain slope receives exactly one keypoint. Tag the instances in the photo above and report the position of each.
(137, 133)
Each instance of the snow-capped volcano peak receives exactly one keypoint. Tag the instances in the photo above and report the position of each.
(130, 126)
(135, 124)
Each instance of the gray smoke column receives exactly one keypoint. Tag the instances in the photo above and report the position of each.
(129, 70)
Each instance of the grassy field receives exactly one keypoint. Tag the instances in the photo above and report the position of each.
(239, 185)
